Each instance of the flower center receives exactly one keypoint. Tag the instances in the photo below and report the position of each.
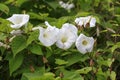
(84, 42)
(64, 39)
(18, 20)
(45, 35)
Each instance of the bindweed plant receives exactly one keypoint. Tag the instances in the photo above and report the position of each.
(59, 40)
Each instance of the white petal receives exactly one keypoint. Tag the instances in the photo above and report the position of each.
(70, 27)
(84, 48)
(48, 36)
(36, 28)
(66, 38)
(77, 20)
(83, 21)
(15, 26)
(92, 22)
(61, 2)
(80, 21)
(86, 20)
(18, 20)
(70, 6)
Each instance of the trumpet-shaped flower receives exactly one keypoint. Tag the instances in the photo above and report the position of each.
(18, 20)
(84, 44)
(48, 36)
(67, 36)
(83, 21)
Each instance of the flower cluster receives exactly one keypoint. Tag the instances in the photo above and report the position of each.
(85, 21)
(66, 6)
(64, 37)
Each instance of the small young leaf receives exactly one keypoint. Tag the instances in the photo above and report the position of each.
(33, 36)
(36, 49)
(113, 75)
(60, 61)
(84, 70)
(4, 8)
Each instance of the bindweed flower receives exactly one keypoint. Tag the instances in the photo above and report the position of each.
(80, 21)
(84, 44)
(18, 20)
(88, 21)
(67, 36)
(66, 6)
(48, 36)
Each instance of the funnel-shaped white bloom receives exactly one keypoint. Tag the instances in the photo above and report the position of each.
(18, 20)
(83, 21)
(67, 36)
(49, 35)
(84, 44)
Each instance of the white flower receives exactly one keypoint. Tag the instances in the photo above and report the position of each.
(48, 36)
(67, 36)
(83, 21)
(18, 20)
(80, 21)
(66, 6)
(70, 6)
(91, 20)
(84, 44)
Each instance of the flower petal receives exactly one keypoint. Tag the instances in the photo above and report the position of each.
(48, 36)
(70, 27)
(67, 36)
(92, 22)
(18, 20)
(84, 48)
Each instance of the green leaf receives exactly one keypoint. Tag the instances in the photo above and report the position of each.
(18, 44)
(36, 49)
(109, 43)
(20, 2)
(53, 4)
(60, 61)
(75, 57)
(80, 14)
(4, 26)
(38, 76)
(71, 75)
(61, 21)
(31, 76)
(84, 70)
(33, 36)
(15, 62)
(39, 16)
(117, 45)
(101, 75)
(4, 8)
(113, 75)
